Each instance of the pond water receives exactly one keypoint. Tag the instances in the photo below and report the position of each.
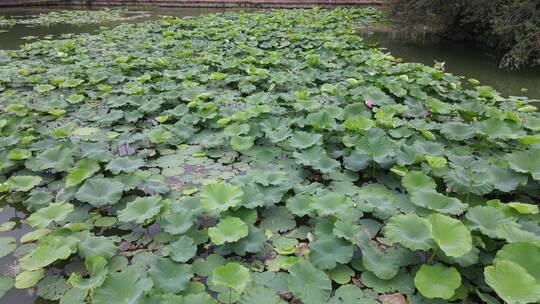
(460, 59)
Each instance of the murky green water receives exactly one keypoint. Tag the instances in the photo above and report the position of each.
(460, 59)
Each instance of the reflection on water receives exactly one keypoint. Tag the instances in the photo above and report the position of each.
(461, 59)
(13, 37)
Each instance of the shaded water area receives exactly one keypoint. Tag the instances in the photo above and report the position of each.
(461, 59)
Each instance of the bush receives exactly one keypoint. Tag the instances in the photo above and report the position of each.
(511, 26)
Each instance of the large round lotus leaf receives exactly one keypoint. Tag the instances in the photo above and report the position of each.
(6, 283)
(181, 250)
(253, 243)
(385, 265)
(55, 212)
(97, 246)
(28, 278)
(231, 275)
(309, 284)
(19, 154)
(450, 235)
(301, 205)
(260, 294)
(409, 230)
(126, 287)
(433, 200)
(7, 245)
(457, 131)
(124, 164)
(50, 250)
(58, 158)
(97, 270)
(141, 209)
(178, 222)
(23, 183)
(526, 255)
(99, 192)
(221, 196)
(523, 208)
(351, 294)
(417, 180)
(512, 283)
(526, 162)
(331, 203)
(277, 219)
(437, 281)
(170, 277)
(229, 229)
(328, 252)
(487, 219)
(303, 140)
(242, 143)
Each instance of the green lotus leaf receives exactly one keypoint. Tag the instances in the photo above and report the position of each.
(277, 219)
(75, 98)
(494, 128)
(170, 277)
(23, 183)
(332, 203)
(7, 245)
(181, 250)
(410, 231)
(328, 252)
(97, 246)
(242, 143)
(42, 88)
(526, 255)
(341, 274)
(124, 164)
(260, 294)
(229, 229)
(512, 283)
(126, 287)
(301, 205)
(457, 131)
(50, 250)
(450, 235)
(253, 243)
(433, 200)
(402, 282)
(55, 212)
(487, 219)
(358, 123)
(58, 158)
(326, 164)
(77, 176)
(19, 154)
(100, 192)
(74, 295)
(97, 271)
(231, 275)
(309, 284)
(141, 209)
(351, 294)
(303, 140)
(204, 267)
(437, 281)
(28, 279)
(6, 283)
(321, 120)
(417, 180)
(385, 265)
(526, 162)
(220, 196)
(178, 222)
(523, 208)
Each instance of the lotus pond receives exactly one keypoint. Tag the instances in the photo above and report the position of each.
(261, 158)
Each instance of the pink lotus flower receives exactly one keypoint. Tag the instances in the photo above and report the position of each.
(448, 189)
(426, 114)
(369, 103)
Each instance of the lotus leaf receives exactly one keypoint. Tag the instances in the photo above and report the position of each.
(7, 245)
(327, 253)
(141, 209)
(181, 250)
(28, 278)
(220, 196)
(99, 192)
(410, 231)
(55, 212)
(512, 283)
(308, 283)
(126, 287)
(23, 183)
(231, 275)
(169, 276)
(437, 281)
(97, 270)
(450, 235)
(229, 229)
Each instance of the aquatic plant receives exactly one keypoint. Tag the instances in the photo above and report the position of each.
(80, 17)
(263, 158)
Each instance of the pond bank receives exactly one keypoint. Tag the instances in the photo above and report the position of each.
(194, 3)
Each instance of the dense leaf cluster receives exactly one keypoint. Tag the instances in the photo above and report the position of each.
(263, 158)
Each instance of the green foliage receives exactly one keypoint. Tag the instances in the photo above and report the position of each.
(239, 158)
